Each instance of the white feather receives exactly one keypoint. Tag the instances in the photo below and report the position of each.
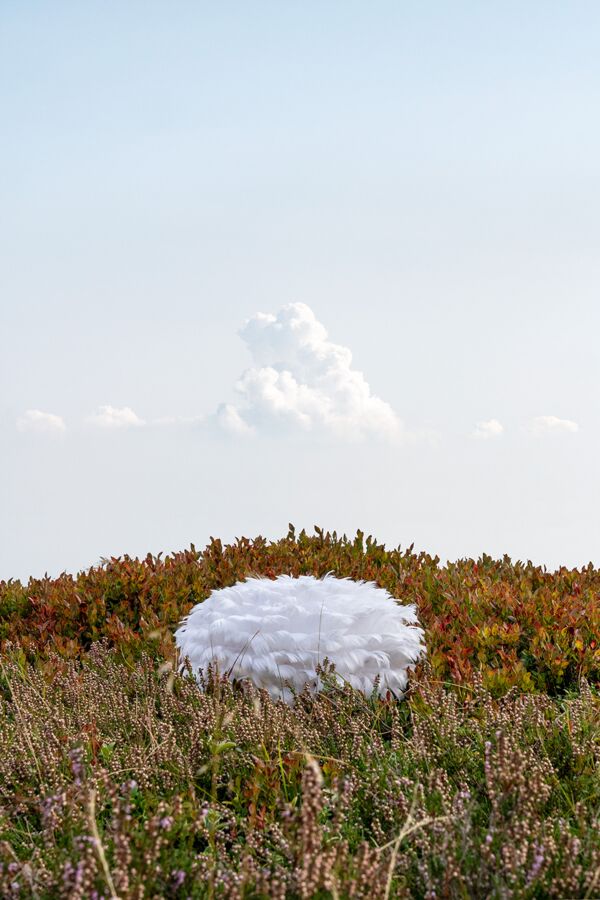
(276, 632)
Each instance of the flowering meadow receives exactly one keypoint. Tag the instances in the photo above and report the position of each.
(120, 778)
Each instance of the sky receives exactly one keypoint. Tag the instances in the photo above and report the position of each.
(329, 263)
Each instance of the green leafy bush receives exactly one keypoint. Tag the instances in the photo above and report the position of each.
(514, 623)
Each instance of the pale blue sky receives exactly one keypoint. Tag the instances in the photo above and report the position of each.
(425, 177)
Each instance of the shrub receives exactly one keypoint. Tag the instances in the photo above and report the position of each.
(514, 623)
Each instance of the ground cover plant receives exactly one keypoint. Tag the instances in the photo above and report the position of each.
(119, 778)
(514, 622)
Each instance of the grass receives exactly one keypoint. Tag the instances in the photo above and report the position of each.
(125, 780)
(119, 778)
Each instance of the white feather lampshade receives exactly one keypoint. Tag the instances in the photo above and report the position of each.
(276, 632)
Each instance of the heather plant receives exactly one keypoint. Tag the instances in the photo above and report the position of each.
(513, 623)
(119, 777)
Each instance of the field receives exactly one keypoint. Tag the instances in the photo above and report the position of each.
(119, 778)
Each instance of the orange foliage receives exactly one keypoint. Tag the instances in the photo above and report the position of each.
(514, 622)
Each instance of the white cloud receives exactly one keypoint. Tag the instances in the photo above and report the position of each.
(545, 424)
(113, 417)
(230, 420)
(301, 380)
(489, 429)
(35, 420)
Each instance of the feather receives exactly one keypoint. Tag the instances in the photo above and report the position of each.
(276, 632)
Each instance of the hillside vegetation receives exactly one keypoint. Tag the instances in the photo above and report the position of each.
(515, 623)
(119, 778)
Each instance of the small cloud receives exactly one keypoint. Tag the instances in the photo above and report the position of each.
(113, 417)
(489, 429)
(301, 381)
(229, 419)
(545, 424)
(35, 420)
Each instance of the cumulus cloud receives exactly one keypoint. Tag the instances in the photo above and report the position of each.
(231, 421)
(489, 429)
(38, 421)
(114, 417)
(545, 424)
(302, 381)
